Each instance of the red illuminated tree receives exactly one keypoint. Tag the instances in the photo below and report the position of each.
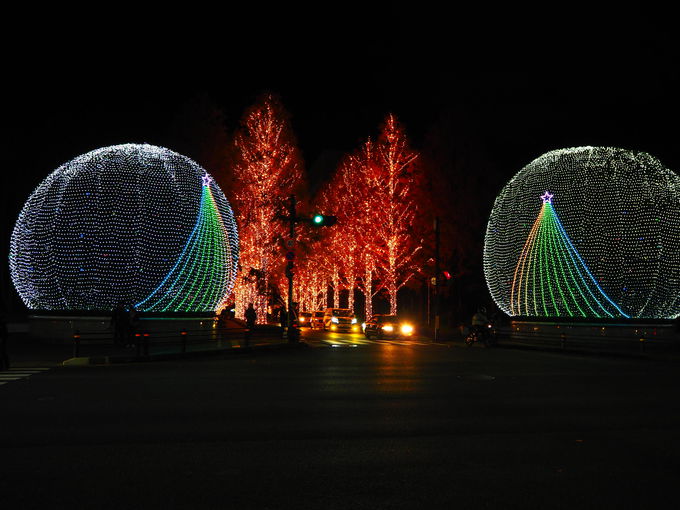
(375, 194)
(311, 270)
(396, 198)
(360, 170)
(346, 251)
(267, 168)
(310, 283)
(377, 242)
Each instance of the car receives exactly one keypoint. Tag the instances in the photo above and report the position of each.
(387, 326)
(305, 319)
(339, 319)
(316, 321)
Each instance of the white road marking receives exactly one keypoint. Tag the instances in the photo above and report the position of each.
(14, 374)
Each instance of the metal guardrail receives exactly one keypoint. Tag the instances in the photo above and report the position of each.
(636, 339)
(143, 340)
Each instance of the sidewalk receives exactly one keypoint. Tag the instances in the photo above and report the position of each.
(26, 352)
(649, 350)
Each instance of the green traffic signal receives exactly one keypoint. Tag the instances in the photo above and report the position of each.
(322, 220)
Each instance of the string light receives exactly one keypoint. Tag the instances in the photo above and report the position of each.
(127, 224)
(603, 243)
(551, 277)
(375, 194)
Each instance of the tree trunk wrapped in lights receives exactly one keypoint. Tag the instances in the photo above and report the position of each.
(310, 284)
(366, 286)
(267, 168)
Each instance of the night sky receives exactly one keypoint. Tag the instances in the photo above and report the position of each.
(514, 88)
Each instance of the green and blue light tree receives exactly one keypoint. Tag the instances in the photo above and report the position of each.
(551, 278)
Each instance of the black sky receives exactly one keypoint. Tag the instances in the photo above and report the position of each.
(520, 87)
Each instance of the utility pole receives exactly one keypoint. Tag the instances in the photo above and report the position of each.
(292, 219)
(436, 279)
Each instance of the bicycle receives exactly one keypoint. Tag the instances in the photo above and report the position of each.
(485, 334)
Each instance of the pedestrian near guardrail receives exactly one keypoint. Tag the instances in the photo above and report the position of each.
(4, 356)
(119, 322)
(251, 317)
(131, 320)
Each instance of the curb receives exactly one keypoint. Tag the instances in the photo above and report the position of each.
(84, 361)
(167, 356)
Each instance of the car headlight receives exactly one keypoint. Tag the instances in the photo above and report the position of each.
(302, 319)
(354, 320)
(334, 319)
(388, 327)
(406, 329)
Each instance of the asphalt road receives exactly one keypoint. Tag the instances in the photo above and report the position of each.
(381, 425)
(318, 338)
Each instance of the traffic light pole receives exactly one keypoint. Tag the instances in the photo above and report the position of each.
(318, 220)
(292, 218)
(437, 279)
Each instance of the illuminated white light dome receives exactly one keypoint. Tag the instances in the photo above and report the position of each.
(127, 224)
(587, 232)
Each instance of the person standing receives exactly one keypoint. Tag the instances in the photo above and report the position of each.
(120, 325)
(4, 357)
(251, 317)
(131, 320)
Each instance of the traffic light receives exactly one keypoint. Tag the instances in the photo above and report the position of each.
(321, 220)
(446, 278)
(443, 280)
